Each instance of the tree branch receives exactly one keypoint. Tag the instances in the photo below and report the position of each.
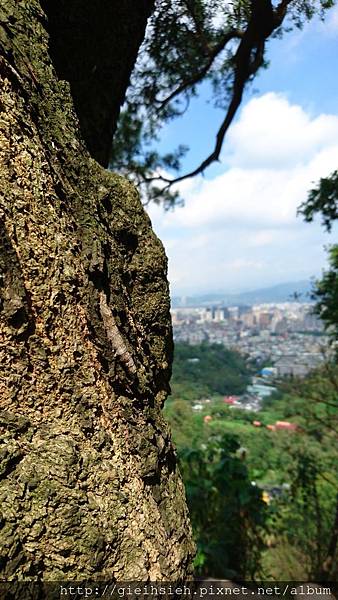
(280, 12)
(230, 35)
(263, 21)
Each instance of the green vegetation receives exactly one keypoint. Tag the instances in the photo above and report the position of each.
(208, 369)
(326, 294)
(323, 200)
(227, 512)
(291, 536)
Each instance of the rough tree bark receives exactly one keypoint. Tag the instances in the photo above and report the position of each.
(89, 482)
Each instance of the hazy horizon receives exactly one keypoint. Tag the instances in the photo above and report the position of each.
(233, 291)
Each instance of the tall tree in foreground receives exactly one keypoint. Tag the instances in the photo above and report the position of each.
(89, 479)
(89, 483)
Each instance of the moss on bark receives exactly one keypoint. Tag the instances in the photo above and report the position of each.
(89, 482)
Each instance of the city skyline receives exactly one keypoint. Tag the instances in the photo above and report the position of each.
(287, 334)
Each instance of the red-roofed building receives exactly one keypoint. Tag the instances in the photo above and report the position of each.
(285, 425)
(230, 399)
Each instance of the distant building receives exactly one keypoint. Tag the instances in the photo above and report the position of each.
(285, 425)
(294, 366)
(230, 399)
(264, 320)
(215, 313)
(268, 372)
(282, 325)
(262, 391)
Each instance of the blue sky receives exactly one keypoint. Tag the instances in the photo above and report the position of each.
(238, 229)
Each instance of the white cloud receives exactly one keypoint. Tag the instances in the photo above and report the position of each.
(240, 229)
(263, 238)
(242, 263)
(273, 133)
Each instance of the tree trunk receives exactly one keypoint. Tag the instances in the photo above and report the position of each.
(89, 481)
(94, 45)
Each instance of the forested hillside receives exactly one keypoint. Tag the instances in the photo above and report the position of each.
(262, 497)
(205, 369)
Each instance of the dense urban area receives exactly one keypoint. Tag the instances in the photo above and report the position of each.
(287, 338)
(276, 331)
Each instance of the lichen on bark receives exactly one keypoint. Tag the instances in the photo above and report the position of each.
(89, 482)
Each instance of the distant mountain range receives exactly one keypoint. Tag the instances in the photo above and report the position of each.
(283, 292)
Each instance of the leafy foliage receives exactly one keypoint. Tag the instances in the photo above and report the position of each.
(314, 503)
(306, 516)
(326, 294)
(227, 512)
(322, 199)
(189, 42)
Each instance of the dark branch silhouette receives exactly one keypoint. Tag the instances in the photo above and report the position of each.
(249, 57)
(213, 53)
